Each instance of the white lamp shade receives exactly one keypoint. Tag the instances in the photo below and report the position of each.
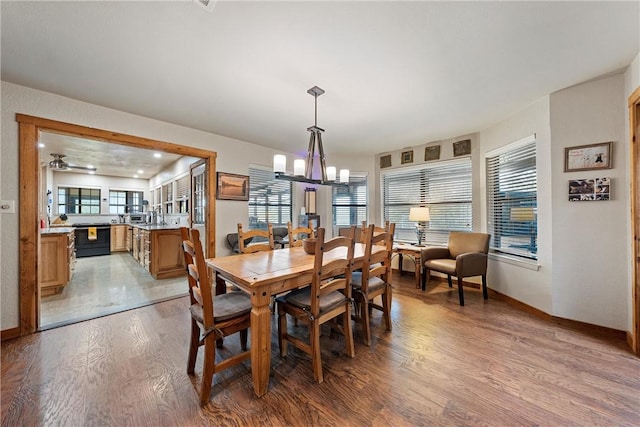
(331, 173)
(344, 175)
(279, 163)
(298, 167)
(419, 214)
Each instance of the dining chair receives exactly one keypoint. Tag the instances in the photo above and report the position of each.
(464, 256)
(326, 299)
(261, 240)
(212, 316)
(295, 234)
(374, 279)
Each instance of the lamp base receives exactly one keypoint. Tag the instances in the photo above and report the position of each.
(419, 245)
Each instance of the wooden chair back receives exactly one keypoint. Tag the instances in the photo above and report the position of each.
(199, 282)
(265, 243)
(189, 252)
(295, 234)
(333, 265)
(378, 263)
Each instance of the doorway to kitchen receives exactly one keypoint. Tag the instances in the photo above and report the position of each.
(30, 206)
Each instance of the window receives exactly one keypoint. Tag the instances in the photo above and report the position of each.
(444, 187)
(512, 198)
(270, 199)
(167, 197)
(182, 194)
(349, 203)
(73, 200)
(124, 201)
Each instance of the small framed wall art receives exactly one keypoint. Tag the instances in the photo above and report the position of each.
(581, 190)
(432, 153)
(385, 161)
(462, 148)
(588, 157)
(407, 157)
(232, 186)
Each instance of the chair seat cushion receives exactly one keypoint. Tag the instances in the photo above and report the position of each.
(375, 283)
(301, 298)
(225, 307)
(447, 266)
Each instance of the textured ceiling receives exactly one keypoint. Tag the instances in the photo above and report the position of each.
(396, 74)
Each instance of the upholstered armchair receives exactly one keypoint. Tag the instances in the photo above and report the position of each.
(465, 256)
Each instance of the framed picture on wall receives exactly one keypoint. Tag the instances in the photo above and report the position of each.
(588, 157)
(407, 157)
(232, 187)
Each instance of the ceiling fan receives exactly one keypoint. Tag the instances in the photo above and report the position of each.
(59, 164)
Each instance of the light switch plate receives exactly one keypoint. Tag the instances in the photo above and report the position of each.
(7, 206)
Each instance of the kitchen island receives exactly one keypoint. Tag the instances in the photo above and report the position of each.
(158, 248)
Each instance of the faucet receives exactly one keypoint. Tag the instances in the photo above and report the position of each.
(160, 213)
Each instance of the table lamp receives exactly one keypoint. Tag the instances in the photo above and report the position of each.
(421, 216)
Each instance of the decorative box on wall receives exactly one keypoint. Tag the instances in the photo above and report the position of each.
(309, 220)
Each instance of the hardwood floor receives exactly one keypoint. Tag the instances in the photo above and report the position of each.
(483, 364)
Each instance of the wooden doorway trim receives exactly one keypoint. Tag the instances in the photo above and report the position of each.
(634, 148)
(29, 131)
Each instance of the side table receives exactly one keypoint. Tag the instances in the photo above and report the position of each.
(415, 253)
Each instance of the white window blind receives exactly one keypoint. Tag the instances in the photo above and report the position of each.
(512, 186)
(349, 203)
(444, 187)
(270, 199)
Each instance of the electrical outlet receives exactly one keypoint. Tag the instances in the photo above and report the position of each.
(7, 206)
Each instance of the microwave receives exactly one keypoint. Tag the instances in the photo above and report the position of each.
(137, 218)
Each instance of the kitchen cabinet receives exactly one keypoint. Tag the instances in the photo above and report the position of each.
(57, 254)
(119, 237)
(158, 250)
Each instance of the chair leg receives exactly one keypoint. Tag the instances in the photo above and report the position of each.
(208, 368)
(460, 291)
(365, 318)
(449, 280)
(348, 332)
(282, 331)
(314, 338)
(193, 347)
(243, 339)
(386, 306)
(485, 293)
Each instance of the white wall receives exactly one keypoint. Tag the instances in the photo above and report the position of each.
(521, 281)
(233, 156)
(590, 240)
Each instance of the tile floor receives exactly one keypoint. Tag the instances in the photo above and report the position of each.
(105, 285)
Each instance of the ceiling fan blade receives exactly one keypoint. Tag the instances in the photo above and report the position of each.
(82, 168)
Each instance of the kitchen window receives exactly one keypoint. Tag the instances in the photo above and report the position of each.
(75, 200)
(125, 201)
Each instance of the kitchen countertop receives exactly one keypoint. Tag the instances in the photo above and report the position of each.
(149, 227)
(56, 230)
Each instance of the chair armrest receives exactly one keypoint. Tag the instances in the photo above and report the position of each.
(434, 253)
(471, 264)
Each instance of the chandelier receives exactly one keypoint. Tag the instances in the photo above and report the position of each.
(303, 171)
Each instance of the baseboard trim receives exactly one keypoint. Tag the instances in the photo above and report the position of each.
(10, 333)
(573, 324)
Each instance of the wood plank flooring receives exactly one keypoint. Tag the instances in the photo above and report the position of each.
(485, 364)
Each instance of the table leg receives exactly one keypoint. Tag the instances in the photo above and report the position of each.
(400, 263)
(260, 341)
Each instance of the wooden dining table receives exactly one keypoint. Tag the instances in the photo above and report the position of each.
(263, 275)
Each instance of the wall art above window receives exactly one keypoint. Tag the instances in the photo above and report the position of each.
(462, 148)
(432, 153)
(407, 157)
(385, 161)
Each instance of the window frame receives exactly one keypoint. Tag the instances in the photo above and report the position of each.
(357, 180)
(79, 205)
(441, 223)
(517, 235)
(130, 206)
